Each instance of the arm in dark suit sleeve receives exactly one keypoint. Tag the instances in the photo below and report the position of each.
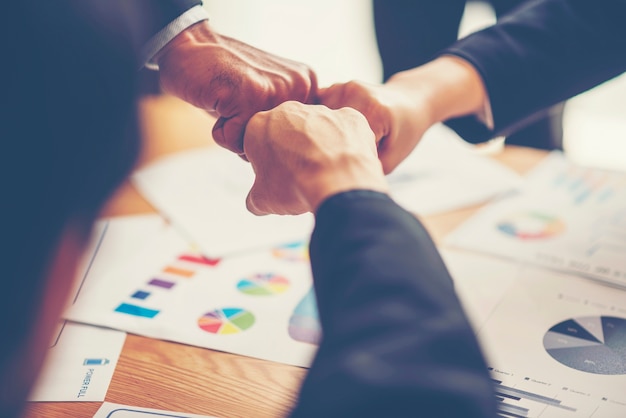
(396, 342)
(543, 53)
(135, 22)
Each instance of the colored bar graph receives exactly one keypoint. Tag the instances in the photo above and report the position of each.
(161, 283)
(503, 413)
(95, 362)
(513, 410)
(199, 259)
(135, 310)
(140, 294)
(179, 271)
(504, 395)
(509, 392)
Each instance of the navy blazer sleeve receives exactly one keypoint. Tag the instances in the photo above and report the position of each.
(145, 18)
(132, 22)
(157, 14)
(541, 54)
(396, 342)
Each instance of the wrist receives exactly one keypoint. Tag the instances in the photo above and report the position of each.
(316, 188)
(444, 88)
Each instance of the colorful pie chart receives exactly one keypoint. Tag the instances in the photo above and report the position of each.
(226, 321)
(531, 226)
(265, 284)
(295, 251)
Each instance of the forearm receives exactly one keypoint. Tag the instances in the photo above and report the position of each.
(444, 88)
(395, 339)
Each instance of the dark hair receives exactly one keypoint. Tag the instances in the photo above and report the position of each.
(68, 135)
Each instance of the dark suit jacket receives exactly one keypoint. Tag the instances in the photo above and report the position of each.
(139, 20)
(396, 342)
(545, 52)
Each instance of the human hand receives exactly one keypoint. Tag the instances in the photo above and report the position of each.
(402, 109)
(398, 120)
(303, 154)
(230, 79)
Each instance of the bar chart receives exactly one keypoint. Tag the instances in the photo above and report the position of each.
(240, 304)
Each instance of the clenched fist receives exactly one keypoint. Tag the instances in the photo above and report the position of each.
(230, 79)
(302, 154)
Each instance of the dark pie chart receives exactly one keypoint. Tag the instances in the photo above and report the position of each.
(592, 344)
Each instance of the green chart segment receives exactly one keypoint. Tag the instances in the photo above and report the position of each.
(226, 321)
(592, 344)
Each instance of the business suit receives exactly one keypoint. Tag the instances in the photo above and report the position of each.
(396, 342)
(411, 33)
(544, 53)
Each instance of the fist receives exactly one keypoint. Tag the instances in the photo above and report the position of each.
(231, 80)
(397, 118)
(303, 154)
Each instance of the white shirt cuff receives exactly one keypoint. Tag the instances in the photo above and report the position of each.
(164, 36)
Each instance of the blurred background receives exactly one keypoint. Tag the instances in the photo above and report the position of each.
(337, 39)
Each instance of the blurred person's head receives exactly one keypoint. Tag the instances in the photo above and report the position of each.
(68, 134)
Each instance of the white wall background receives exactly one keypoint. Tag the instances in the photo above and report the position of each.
(335, 37)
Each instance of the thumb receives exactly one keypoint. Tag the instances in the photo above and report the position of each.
(228, 133)
(252, 202)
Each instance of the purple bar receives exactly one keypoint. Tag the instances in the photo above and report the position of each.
(161, 283)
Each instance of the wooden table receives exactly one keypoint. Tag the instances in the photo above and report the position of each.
(176, 377)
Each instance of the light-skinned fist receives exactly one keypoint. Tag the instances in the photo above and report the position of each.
(230, 79)
(303, 154)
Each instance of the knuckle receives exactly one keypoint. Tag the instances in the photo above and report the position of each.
(351, 113)
(353, 87)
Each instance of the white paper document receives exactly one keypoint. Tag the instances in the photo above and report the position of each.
(445, 173)
(114, 241)
(203, 193)
(81, 359)
(567, 217)
(113, 410)
(556, 347)
(480, 282)
(259, 304)
(79, 364)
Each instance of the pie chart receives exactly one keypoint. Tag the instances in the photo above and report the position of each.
(263, 285)
(531, 225)
(592, 344)
(295, 251)
(226, 321)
